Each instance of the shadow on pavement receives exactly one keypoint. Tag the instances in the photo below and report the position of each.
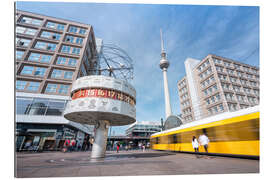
(139, 155)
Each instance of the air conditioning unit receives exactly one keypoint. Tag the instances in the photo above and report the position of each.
(53, 37)
(68, 39)
(21, 43)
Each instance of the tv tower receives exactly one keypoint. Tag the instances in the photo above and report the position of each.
(164, 64)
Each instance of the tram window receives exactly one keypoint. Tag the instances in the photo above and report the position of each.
(174, 139)
(157, 140)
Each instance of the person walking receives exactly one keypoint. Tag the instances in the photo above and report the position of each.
(117, 147)
(195, 145)
(66, 145)
(73, 144)
(204, 141)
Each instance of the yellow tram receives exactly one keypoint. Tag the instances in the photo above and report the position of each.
(230, 133)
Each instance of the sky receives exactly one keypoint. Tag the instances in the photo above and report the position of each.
(188, 31)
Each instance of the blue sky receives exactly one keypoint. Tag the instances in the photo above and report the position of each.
(188, 31)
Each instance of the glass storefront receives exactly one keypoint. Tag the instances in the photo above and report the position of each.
(40, 106)
(44, 137)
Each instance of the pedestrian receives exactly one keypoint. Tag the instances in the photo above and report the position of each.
(204, 141)
(69, 146)
(79, 146)
(126, 147)
(66, 145)
(117, 147)
(140, 146)
(143, 147)
(195, 145)
(73, 144)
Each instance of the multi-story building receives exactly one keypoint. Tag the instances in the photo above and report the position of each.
(217, 84)
(50, 54)
(143, 129)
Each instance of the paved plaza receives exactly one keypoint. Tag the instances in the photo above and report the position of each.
(128, 163)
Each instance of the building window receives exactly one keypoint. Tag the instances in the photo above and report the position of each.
(33, 86)
(65, 49)
(72, 29)
(57, 88)
(39, 71)
(37, 57)
(50, 35)
(82, 31)
(76, 50)
(68, 75)
(30, 86)
(79, 40)
(24, 30)
(22, 42)
(213, 99)
(29, 20)
(31, 70)
(27, 70)
(63, 89)
(20, 85)
(210, 90)
(51, 88)
(69, 39)
(56, 73)
(19, 54)
(218, 97)
(34, 57)
(39, 106)
(56, 107)
(55, 25)
(72, 62)
(221, 107)
(66, 61)
(61, 60)
(45, 46)
(232, 107)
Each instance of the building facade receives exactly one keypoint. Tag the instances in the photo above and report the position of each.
(215, 85)
(50, 54)
(143, 129)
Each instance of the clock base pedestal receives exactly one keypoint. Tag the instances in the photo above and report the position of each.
(100, 142)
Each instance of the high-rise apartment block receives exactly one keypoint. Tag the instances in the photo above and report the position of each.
(50, 54)
(217, 84)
